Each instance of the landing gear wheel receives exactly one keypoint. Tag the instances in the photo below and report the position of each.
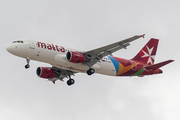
(90, 71)
(70, 82)
(27, 66)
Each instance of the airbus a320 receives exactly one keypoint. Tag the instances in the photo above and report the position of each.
(66, 61)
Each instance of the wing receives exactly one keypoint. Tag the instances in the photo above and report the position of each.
(97, 54)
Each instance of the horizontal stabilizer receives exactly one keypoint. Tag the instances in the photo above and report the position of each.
(158, 65)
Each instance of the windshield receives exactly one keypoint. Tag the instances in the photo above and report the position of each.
(18, 41)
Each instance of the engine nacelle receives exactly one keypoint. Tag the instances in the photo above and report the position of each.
(45, 72)
(75, 57)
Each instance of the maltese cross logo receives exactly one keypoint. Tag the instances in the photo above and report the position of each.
(149, 55)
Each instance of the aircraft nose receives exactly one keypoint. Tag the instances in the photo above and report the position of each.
(9, 48)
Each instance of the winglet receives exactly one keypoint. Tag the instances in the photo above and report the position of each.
(54, 81)
(143, 35)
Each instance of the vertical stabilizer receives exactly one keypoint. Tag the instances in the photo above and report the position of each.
(147, 54)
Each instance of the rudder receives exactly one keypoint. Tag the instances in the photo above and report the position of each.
(147, 54)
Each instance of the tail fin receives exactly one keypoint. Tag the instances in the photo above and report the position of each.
(147, 54)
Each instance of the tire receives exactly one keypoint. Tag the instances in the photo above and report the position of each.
(90, 71)
(70, 82)
(27, 66)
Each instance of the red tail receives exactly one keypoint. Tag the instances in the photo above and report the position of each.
(147, 54)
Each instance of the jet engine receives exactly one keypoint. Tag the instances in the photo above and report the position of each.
(75, 57)
(45, 72)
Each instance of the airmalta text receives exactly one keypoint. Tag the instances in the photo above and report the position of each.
(50, 46)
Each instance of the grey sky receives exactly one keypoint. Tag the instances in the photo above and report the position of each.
(87, 25)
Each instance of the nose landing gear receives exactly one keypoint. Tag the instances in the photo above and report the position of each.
(27, 65)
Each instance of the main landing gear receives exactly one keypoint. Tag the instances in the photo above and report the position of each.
(27, 65)
(70, 82)
(90, 71)
(68, 74)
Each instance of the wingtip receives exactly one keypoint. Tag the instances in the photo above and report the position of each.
(54, 82)
(171, 60)
(143, 35)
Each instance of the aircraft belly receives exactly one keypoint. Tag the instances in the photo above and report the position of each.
(107, 68)
(76, 67)
(102, 67)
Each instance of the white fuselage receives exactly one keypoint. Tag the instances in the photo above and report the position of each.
(56, 56)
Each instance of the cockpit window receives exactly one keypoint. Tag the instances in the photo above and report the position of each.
(18, 41)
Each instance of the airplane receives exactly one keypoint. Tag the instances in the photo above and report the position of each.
(66, 62)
